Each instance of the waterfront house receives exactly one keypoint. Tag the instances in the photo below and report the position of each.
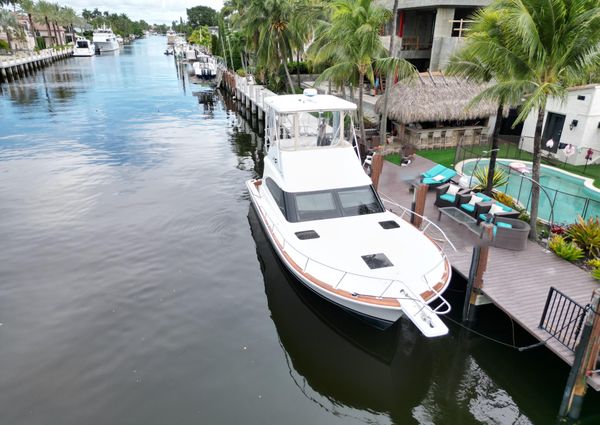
(429, 31)
(572, 126)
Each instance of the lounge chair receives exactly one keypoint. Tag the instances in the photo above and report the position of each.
(434, 171)
(440, 178)
(447, 195)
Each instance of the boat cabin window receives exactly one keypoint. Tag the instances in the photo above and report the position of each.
(82, 44)
(278, 195)
(332, 204)
(299, 130)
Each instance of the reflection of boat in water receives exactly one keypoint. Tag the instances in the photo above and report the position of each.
(340, 357)
(329, 226)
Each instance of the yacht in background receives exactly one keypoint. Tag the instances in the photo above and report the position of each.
(171, 37)
(120, 40)
(105, 40)
(205, 67)
(83, 47)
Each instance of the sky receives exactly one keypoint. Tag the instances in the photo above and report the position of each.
(153, 12)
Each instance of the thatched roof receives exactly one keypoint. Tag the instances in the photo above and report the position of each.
(435, 97)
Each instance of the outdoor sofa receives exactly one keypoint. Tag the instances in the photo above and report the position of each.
(447, 195)
(478, 209)
(510, 233)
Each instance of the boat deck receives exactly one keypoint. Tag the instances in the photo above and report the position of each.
(517, 282)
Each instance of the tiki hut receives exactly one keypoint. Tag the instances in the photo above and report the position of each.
(432, 111)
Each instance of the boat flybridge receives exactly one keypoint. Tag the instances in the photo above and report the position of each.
(330, 227)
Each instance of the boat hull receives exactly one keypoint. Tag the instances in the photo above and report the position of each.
(107, 46)
(84, 52)
(379, 316)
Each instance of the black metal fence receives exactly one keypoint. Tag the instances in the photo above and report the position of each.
(563, 318)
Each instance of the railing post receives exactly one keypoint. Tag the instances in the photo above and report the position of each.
(586, 356)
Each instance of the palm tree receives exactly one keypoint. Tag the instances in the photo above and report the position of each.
(534, 50)
(352, 43)
(389, 77)
(28, 6)
(8, 23)
(266, 23)
(67, 18)
(43, 10)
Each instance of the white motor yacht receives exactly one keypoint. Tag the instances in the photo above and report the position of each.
(171, 37)
(83, 47)
(205, 66)
(105, 40)
(329, 226)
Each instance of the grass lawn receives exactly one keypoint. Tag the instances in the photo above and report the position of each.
(446, 158)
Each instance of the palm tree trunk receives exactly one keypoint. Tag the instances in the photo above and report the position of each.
(32, 28)
(285, 67)
(298, 67)
(48, 28)
(361, 121)
(56, 35)
(494, 151)
(388, 80)
(9, 38)
(535, 172)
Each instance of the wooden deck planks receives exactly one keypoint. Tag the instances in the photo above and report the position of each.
(516, 282)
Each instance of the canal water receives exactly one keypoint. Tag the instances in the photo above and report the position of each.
(137, 287)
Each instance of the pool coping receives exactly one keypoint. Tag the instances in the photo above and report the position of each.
(588, 183)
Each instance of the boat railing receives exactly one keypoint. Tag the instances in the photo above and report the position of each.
(328, 273)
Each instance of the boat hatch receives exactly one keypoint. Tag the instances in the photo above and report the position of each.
(376, 261)
(390, 224)
(307, 234)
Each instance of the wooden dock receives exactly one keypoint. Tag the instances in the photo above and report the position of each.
(19, 66)
(517, 282)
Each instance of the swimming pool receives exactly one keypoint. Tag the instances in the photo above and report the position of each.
(567, 192)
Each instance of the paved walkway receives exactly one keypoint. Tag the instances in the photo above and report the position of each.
(515, 281)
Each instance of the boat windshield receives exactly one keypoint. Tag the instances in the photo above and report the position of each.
(306, 129)
(332, 204)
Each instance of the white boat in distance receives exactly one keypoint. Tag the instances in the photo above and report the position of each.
(83, 47)
(171, 37)
(205, 66)
(329, 226)
(105, 40)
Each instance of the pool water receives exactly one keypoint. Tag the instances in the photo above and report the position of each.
(564, 191)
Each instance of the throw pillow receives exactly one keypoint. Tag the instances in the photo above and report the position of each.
(475, 199)
(438, 178)
(453, 189)
(496, 209)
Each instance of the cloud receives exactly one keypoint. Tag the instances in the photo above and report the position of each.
(158, 12)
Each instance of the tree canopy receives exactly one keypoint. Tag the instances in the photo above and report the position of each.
(198, 16)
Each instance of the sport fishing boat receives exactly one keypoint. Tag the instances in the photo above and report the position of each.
(329, 226)
(105, 40)
(83, 47)
(205, 67)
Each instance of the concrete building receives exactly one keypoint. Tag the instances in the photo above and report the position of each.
(573, 126)
(429, 31)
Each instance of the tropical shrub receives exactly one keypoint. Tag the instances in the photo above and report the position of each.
(596, 273)
(566, 250)
(594, 263)
(295, 66)
(241, 72)
(481, 174)
(504, 198)
(4, 45)
(586, 233)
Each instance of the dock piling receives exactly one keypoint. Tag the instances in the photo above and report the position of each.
(586, 357)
